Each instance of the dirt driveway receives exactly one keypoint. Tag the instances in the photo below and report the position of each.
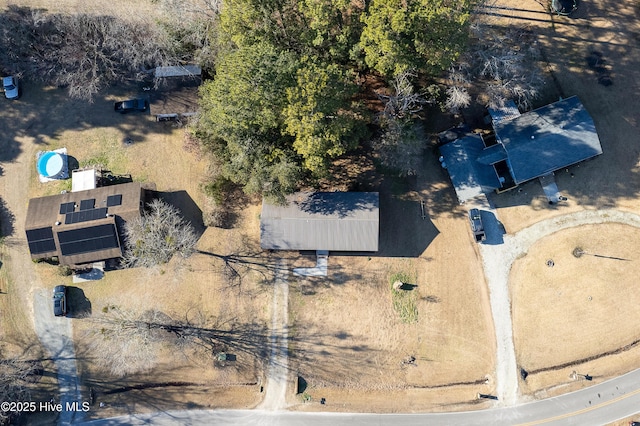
(56, 336)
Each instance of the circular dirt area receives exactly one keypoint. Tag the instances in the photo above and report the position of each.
(583, 307)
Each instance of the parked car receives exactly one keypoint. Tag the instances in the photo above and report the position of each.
(632, 423)
(60, 301)
(124, 107)
(476, 225)
(11, 88)
(563, 7)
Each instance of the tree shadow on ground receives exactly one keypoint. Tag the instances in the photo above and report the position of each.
(188, 208)
(7, 219)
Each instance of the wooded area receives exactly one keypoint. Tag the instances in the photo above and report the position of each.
(286, 98)
(291, 88)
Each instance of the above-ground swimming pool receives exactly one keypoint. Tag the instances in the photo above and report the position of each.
(50, 164)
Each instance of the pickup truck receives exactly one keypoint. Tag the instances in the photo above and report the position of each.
(476, 225)
(124, 107)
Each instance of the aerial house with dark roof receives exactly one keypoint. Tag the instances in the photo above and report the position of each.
(322, 221)
(526, 146)
(82, 227)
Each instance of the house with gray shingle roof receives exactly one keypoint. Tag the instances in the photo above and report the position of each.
(527, 146)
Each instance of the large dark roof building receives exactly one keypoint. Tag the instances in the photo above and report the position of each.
(336, 221)
(526, 147)
(82, 227)
(548, 139)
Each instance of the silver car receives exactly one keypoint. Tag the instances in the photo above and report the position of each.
(10, 85)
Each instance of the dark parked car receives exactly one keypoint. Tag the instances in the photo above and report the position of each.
(476, 225)
(564, 7)
(11, 88)
(131, 105)
(60, 301)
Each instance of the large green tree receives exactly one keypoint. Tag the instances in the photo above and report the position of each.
(427, 35)
(242, 116)
(281, 105)
(248, 22)
(331, 28)
(321, 116)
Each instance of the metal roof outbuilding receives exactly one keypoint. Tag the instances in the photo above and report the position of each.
(335, 221)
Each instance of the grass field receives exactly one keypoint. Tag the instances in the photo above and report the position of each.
(580, 308)
(347, 341)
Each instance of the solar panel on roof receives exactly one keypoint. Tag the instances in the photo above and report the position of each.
(41, 240)
(39, 234)
(87, 204)
(86, 240)
(67, 207)
(114, 200)
(85, 215)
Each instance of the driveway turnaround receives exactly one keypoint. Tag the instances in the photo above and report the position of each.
(497, 261)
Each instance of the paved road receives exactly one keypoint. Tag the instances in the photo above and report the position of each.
(597, 405)
(56, 336)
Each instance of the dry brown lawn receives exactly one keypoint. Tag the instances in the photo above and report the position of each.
(181, 289)
(346, 339)
(557, 298)
(93, 134)
(579, 309)
(350, 344)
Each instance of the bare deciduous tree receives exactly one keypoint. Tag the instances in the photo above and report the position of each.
(404, 102)
(504, 64)
(157, 235)
(400, 145)
(15, 374)
(81, 52)
(128, 342)
(457, 95)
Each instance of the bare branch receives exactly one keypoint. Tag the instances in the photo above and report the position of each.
(156, 236)
(404, 102)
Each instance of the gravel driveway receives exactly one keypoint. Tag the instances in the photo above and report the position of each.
(56, 336)
(497, 261)
(278, 369)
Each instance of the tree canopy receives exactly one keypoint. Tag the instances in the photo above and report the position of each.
(426, 35)
(321, 116)
(242, 117)
(283, 101)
